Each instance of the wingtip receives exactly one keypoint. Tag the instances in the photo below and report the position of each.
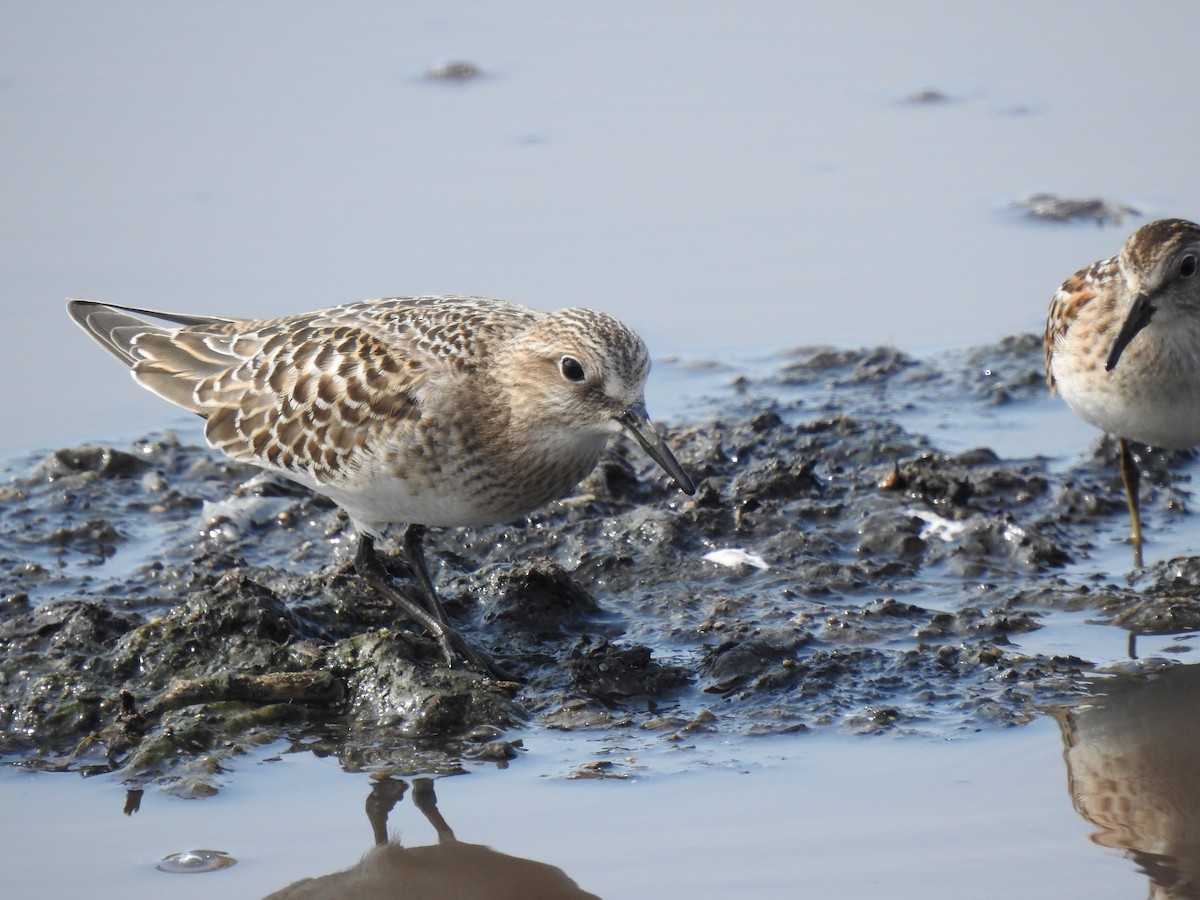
(79, 309)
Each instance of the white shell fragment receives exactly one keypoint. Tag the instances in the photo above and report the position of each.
(735, 557)
(937, 526)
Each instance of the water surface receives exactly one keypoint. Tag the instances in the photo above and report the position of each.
(731, 181)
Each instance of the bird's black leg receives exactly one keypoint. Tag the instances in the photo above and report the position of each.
(430, 616)
(414, 551)
(1131, 478)
(367, 563)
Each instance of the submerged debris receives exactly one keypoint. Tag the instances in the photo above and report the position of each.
(1051, 207)
(927, 95)
(454, 70)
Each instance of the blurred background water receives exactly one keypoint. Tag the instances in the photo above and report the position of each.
(726, 179)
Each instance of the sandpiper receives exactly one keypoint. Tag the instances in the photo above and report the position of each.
(422, 411)
(1123, 346)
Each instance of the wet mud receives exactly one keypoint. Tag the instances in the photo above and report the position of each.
(163, 609)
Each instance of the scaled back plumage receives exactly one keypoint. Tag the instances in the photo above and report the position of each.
(339, 398)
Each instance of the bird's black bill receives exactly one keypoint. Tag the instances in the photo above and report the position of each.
(1139, 317)
(637, 423)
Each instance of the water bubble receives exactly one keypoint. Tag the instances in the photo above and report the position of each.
(194, 861)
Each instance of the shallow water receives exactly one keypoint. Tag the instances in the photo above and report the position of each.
(987, 816)
(731, 181)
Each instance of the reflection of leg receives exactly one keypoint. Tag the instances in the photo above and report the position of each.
(367, 563)
(1131, 477)
(385, 793)
(133, 801)
(426, 801)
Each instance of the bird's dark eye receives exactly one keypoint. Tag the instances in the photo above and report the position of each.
(1187, 267)
(571, 368)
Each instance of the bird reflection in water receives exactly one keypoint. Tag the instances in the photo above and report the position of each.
(1133, 769)
(449, 868)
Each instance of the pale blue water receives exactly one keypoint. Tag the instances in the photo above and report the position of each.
(724, 178)
(732, 179)
(816, 816)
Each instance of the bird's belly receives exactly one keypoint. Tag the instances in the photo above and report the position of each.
(1152, 395)
(1164, 414)
(389, 503)
(469, 496)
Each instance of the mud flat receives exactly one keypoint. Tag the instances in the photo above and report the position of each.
(166, 610)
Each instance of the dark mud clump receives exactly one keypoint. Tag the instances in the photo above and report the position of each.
(163, 608)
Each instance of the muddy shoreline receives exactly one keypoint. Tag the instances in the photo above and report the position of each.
(165, 609)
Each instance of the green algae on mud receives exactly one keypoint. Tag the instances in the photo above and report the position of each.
(164, 608)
